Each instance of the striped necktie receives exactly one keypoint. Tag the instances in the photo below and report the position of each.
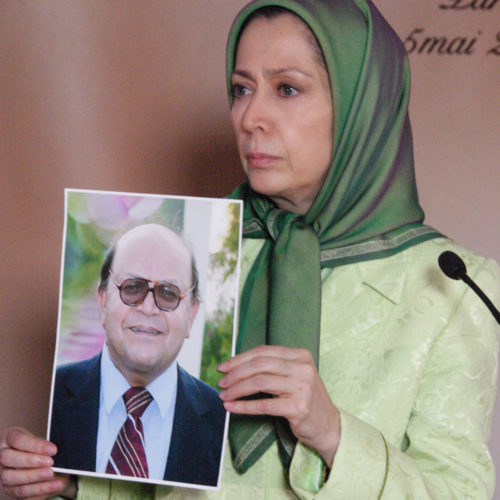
(128, 456)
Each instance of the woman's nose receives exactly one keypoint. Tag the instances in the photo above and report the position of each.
(256, 114)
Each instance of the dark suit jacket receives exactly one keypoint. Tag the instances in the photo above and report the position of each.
(197, 432)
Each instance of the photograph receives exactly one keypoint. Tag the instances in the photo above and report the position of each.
(134, 393)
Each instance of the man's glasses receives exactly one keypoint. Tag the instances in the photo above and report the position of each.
(133, 291)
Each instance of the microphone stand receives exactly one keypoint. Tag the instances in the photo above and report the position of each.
(466, 279)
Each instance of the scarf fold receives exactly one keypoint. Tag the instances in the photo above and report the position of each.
(367, 207)
(278, 278)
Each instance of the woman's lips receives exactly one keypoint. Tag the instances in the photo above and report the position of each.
(260, 160)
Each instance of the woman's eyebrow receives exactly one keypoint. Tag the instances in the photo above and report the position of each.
(273, 72)
(287, 69)
(242, 73)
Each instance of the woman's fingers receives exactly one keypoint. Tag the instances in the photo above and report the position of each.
(37, 483)
(17, 438)
(25, 462)
(256, 370)
(271, 351)
(15, 477)
(286, 407)
(12, 458)
(34, 491)
(33, 488)
(258, 383)
(275, 370)
(298, 394)
(277, 360)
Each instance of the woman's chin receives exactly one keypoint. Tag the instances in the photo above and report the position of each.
(262, 183)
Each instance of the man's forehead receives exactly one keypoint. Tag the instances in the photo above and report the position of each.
(152, 232)
(152, 247)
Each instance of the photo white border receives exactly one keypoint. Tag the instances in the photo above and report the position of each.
(60, 301)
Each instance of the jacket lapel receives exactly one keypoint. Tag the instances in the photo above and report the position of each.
(187, 456)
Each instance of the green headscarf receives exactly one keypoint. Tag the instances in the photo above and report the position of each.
(367, 207)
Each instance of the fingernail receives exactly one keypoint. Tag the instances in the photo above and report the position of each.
(222, 382)
(50, 449)
(45, 462)
(222, 367)
(228, 405)
(47, 474)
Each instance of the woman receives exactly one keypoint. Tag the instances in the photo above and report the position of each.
(381, 370)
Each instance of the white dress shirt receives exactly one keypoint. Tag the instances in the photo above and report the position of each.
(157, 419)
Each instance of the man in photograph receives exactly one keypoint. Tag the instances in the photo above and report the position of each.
(131, 410)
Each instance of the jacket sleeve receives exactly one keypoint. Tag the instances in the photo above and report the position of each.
(445, 451)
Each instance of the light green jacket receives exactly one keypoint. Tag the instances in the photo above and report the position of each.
(409, 357)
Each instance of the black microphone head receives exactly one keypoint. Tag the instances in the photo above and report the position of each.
(452, 265)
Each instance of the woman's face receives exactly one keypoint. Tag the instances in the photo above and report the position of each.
(282, 111)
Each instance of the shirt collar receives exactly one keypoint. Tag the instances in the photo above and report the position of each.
(113, 385)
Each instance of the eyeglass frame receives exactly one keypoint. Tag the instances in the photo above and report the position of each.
(152, 290)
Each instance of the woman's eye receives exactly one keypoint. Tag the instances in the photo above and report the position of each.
(240, 90)
(287, 90)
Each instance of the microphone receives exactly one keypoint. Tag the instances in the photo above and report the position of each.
(454, 267)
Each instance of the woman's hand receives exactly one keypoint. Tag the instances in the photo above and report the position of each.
(299, 394)
(25, 462)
